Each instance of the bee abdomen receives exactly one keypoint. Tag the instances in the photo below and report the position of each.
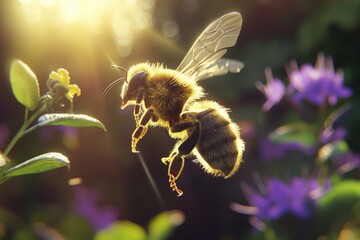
(217, 144)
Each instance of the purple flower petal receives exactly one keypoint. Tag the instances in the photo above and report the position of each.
(319, 84)
(274, 90)
(297, 198)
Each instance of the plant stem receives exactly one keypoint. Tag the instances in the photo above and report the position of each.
(26, 114)
(25, 125)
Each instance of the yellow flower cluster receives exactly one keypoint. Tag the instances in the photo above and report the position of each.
(62, 75)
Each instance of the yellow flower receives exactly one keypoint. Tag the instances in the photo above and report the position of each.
(62, 76)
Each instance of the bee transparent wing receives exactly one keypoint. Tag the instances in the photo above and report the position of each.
(211, 45)
(220, 67)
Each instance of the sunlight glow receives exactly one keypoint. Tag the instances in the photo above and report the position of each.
(123, 18)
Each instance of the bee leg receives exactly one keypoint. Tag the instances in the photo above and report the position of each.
(137, 108)
(174, 171)
(178, 127)
(176, 157)
(141, 130)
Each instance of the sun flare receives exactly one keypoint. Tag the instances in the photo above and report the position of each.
(123, 18)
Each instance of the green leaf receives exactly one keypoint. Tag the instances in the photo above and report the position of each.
(163, 225)
(74, 225)
(343, 194)
(24, 84)
(295, 132)
(71, 120)
(122, 230)
(340, 205)
(38, 164)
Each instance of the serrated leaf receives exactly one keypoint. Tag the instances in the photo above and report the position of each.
(70, 120)
(24, 84)
(295, 132)
(38, 164)
(162, 225)
(122, 230)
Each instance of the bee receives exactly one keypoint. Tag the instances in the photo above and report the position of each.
(211, 137)
(170, 98)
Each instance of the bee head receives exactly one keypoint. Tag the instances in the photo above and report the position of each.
(131, 88)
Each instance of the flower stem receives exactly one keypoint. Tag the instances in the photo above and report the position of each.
(25, 125)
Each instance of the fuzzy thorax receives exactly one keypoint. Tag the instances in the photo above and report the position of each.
(167, 91)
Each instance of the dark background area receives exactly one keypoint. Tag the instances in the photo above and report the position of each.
(273, 33)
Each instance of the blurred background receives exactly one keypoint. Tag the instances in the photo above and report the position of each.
(87, 36)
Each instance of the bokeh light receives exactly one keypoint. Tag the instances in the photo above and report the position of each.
(124, 18)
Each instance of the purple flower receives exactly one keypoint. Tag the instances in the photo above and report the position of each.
(274, 203)
(278, 198)
(319, 84)
(274, 90)
(347, 162)
(329, 135)
(86, 204)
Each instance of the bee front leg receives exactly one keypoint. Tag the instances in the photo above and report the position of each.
(141, 129)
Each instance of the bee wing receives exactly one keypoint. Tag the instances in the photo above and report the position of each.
(211, 45)
(220, 67)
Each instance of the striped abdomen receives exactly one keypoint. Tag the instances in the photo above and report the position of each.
(219, 148)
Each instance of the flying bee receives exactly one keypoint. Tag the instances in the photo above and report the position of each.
(161, 95)
(211, 137)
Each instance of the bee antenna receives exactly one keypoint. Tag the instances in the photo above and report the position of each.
(111, 85)
(120, 69)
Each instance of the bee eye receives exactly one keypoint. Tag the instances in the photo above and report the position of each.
(138, 80)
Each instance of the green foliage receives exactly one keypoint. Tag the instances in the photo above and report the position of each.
(75, 227)
(339, 206)
(25, 88)
(38, 164)
(162, 225)
(299, 132)
(317, 29)
(160, 228)
(122, 230)
(71, 120)
(24, 84)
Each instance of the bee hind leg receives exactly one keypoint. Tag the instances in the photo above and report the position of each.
(174, 170)
(176, 158)
(141, 129)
